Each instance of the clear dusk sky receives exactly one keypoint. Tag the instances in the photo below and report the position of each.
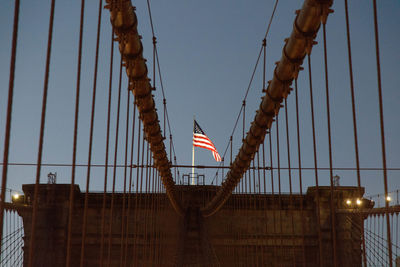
(207, 51)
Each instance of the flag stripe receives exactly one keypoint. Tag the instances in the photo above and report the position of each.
(204, 143)
(200, 139)
(206, 147)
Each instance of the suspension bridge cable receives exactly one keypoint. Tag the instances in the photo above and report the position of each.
(156, 60)
(41, 136)
(290, 178)
(382, 127)
(252, 77)
(353, 108)
(300, 173)
(110, 228)
(139, 139)
(123, 225)
(75, 141)
(315, 162)
(107, 147)
(197, 166)
(328, 116)
(140, 86)
(278, 162)
(272, 190)
(376, 238)
(166, 109)
(85, 209)
(360, 228)
(130, 184)
(292, 57)
(9, 114)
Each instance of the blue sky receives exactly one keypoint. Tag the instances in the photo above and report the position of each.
(207, 50)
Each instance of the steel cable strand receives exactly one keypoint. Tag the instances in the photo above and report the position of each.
(10, 235)
(358, 229)
(135, 217)
(374, 237)
(7, 134)
(290, 182)
(381, 237)
(328, 116)
(252, 77)
(124, 21)
(315, 164)
(156, 59)
(293, 54)
(11, 246)
(300, 174)
(103, 213)
(11, 253)
(353, 108)
(111, 218)
(145, 205)
(382, 127)
(273, 195)
(20, 259)
(41, 135)
(279, 192)
(130, 185)
(75, 140)
(123, 218)
(85, 209)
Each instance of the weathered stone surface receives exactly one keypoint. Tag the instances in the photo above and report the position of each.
(250, 230)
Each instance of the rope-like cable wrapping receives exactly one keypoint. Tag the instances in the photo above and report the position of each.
(305, 28)
(124, 22)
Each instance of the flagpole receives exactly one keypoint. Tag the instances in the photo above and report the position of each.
(192, 180)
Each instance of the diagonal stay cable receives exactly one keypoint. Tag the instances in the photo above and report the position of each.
(250, 83)
(157, 61)
(305, 28)
(124, 22)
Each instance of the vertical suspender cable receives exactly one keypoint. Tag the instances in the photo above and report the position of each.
(300, 175)
(315, 165)
(274, 198)
(382, 128)
(111, 218)
(103, 213)
(85, 210)
(124, 21)
(138, 207)
(72, 186)
(353, 108)
(41, 136)
(290, 183)
(145, 205)
(280, 254)
(300, 42)
(9, 114)
(130, 187)
(332, 207)
(135, 219)
(123, 218)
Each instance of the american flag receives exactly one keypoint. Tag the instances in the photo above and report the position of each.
(200, 139)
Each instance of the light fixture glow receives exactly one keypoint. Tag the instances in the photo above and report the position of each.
(348, 202)
(15, 196)
(358, 202)
(388, 198)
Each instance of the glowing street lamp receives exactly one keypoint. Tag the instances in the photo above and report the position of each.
(348, 202)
